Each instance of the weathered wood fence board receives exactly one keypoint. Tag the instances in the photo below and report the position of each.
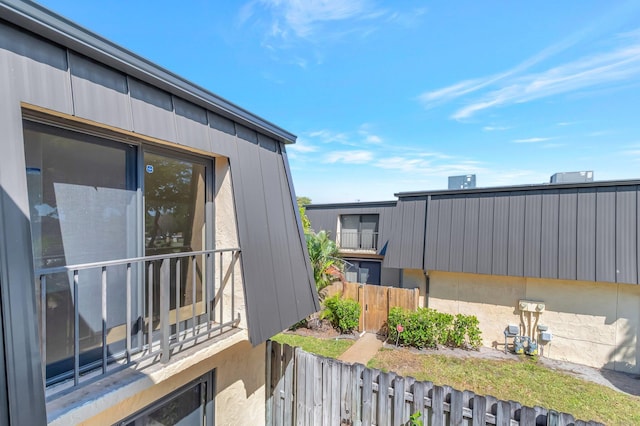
(376, 301)
(305, 389)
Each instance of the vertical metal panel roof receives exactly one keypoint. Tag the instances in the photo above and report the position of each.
(549, 240)
(587, 231)
(532, 234)
(626, 237)
(485, 234)
(136, 95)
(471, 233)
(568, 234)
(45, 23)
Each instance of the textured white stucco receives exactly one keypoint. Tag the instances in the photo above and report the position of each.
(593, 323)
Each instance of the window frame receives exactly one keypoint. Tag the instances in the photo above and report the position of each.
(107, 136)
(207, 400)
(374, 235)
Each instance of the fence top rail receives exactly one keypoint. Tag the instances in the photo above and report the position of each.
(117, 262)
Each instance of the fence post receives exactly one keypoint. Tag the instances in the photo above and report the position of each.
(363, 308)
(268, 385)
(288, 385)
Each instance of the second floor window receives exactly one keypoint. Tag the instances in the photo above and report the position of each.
(359, 231)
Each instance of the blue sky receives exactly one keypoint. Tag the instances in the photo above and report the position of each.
(389, 96)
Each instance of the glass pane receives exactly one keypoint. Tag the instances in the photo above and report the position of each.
(82, 200)
(349, 231)
(175, 198)
(174, 205)
(183, 410)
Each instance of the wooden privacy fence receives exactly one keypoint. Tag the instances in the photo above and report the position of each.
(307, 389)
(376, 301)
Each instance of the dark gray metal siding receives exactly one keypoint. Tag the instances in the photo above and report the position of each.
(549, 240)
(325, 220)
(532, 234)
(626, 249)
(39, 20)
(99, 93)
(457, 234)
(485, 235)
(406, 243)
(24, 382)
(500, 234)
(586, 255)
(568, 234)
(431, 233)
(584, 233)
(515, 253)
(279, 288)
(471, 235)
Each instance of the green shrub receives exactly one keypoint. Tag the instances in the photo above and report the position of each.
(344, 314)
(428, 328)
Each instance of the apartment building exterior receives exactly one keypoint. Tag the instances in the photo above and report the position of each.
(560, 261)
(149, 237)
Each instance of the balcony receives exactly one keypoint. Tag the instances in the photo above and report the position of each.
(98, 318)
(366, 241)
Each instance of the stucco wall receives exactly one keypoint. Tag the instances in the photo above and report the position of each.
(390, 276)
(240, 392)
(226, 229)
(593, 323)
(415, 278)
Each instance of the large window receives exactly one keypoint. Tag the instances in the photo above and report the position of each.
(191, 405)
(359, 231)
(92, 200)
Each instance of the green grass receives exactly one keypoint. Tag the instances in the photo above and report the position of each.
(524, 381)
(331, 348)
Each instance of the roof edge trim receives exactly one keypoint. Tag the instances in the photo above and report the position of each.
(533, 187)
(364, 204)
(45, 23)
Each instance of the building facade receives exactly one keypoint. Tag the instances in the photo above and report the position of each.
(149, 237)
(563, 257)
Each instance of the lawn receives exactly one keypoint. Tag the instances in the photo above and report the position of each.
(331, 348)
(524, 381)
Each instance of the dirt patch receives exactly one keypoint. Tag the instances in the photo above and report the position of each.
(322, 329)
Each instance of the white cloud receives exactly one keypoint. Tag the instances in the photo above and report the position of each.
(302, 146)
(611, 67)
(304, 19)
(494, 128)
(531, 140)
(590, 71)
(349, 157)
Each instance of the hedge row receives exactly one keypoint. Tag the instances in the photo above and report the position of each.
(428, 328)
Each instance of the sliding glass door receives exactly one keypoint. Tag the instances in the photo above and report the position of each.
(93, 200)
(82, 199)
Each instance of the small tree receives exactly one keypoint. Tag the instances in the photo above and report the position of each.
(324, 256)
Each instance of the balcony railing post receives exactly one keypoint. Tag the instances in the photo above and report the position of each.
(76, 329)
(43, 319)
(104, 318)
(165, 279)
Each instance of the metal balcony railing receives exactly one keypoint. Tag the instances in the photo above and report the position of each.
(134, 310)
(358, 240)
